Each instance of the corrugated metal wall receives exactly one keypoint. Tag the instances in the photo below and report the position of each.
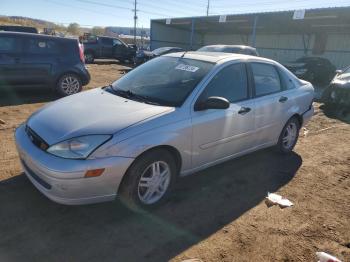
(285, 47)
(163, 35)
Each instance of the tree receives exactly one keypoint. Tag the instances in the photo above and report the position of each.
(73, 28)
(97, 30)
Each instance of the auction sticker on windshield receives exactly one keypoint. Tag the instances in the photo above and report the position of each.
(187, 68)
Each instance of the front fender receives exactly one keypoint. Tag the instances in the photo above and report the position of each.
(177, 135)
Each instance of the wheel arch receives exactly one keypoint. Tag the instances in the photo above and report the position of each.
(171, 149)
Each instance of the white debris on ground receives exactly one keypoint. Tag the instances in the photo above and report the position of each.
(305, 131)
(192, 260)
(324, 257)
(278, 200)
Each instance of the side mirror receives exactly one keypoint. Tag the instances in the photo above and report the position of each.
(213, 102)
(338, 72)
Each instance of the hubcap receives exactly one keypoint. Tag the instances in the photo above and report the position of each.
(70, 85)
(289, 135)
(88, 57)
(154, 182)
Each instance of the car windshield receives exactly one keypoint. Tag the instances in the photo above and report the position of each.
(165, 81)
(161, 50)
(211, 49)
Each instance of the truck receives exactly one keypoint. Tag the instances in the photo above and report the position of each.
(103, 47)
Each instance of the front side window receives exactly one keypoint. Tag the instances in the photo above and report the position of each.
(266, 79)
(42, 46)
(116, 42)
(166, 81)
(230, 83)
(8, 44)
(107, 41)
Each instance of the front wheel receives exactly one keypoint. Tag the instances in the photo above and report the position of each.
(89, 58)
(149, 180)
(69, 84)
(289, 136)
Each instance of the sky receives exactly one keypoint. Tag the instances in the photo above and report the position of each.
(90, 13)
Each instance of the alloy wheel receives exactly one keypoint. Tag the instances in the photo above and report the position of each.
(154, 182)
(289, 135)
(70, 85)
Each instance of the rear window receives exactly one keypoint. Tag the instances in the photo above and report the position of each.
(42, 46)
(8, 44)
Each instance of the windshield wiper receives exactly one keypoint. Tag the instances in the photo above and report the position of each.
(131, 95)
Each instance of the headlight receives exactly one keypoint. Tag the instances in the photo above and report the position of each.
(301, 71)
(78, 147)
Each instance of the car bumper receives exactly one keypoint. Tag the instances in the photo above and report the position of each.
(63, 181)
(307, 115)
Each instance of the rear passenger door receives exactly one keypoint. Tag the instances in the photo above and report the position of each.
(272, 101)
(10, 55)
(40, 57)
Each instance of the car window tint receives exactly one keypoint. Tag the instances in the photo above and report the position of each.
(117, 42)
(266, 79)
(8, 44)
(286, 80)
(107, 41)
(230, 83)
(42, 46)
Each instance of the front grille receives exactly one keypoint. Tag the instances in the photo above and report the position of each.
(36, 139)
(36, 177)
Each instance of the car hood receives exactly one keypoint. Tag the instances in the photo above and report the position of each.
(91, 112)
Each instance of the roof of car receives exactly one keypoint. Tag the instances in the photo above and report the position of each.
(34, 35)
(215, 57)
(233, 46)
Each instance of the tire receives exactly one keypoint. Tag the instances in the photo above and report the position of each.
(69, 84)
(138, 190)
(289, 136)
(89, 57)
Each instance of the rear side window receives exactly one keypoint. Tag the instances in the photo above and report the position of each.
(117, 42)
(107, 41)
(266, 79)
(286, 80)
(230, 83)
(9, 44)
(42, 46)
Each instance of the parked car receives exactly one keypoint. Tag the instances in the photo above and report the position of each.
(314, 69)
(236, 49)
(338, 92)
(143, 55)
(108, 48)
(45, 61)
(174, 115)
(17, 28)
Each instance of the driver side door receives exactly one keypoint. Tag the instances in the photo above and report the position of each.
(220, 134)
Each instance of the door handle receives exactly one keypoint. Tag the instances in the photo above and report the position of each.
(283, 99)
(244, 110)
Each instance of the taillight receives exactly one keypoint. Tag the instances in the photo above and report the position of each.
(81, 52)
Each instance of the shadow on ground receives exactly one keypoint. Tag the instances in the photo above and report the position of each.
(11, 96)
(35, 229)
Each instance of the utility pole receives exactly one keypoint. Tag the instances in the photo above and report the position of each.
(208, 5)
(135, 20)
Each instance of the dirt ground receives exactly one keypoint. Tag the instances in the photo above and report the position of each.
(216, 215)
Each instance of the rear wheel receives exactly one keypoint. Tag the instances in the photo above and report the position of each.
(149, 180)
(89, 57)
(69, 84)
(289, 136)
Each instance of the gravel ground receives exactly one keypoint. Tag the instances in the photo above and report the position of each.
(219, 214)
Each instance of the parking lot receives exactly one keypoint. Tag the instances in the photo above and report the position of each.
(216, 214)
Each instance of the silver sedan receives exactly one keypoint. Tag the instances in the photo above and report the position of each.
(172, 116)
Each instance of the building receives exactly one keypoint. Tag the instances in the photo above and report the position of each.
(116, 31)
(282, 36)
